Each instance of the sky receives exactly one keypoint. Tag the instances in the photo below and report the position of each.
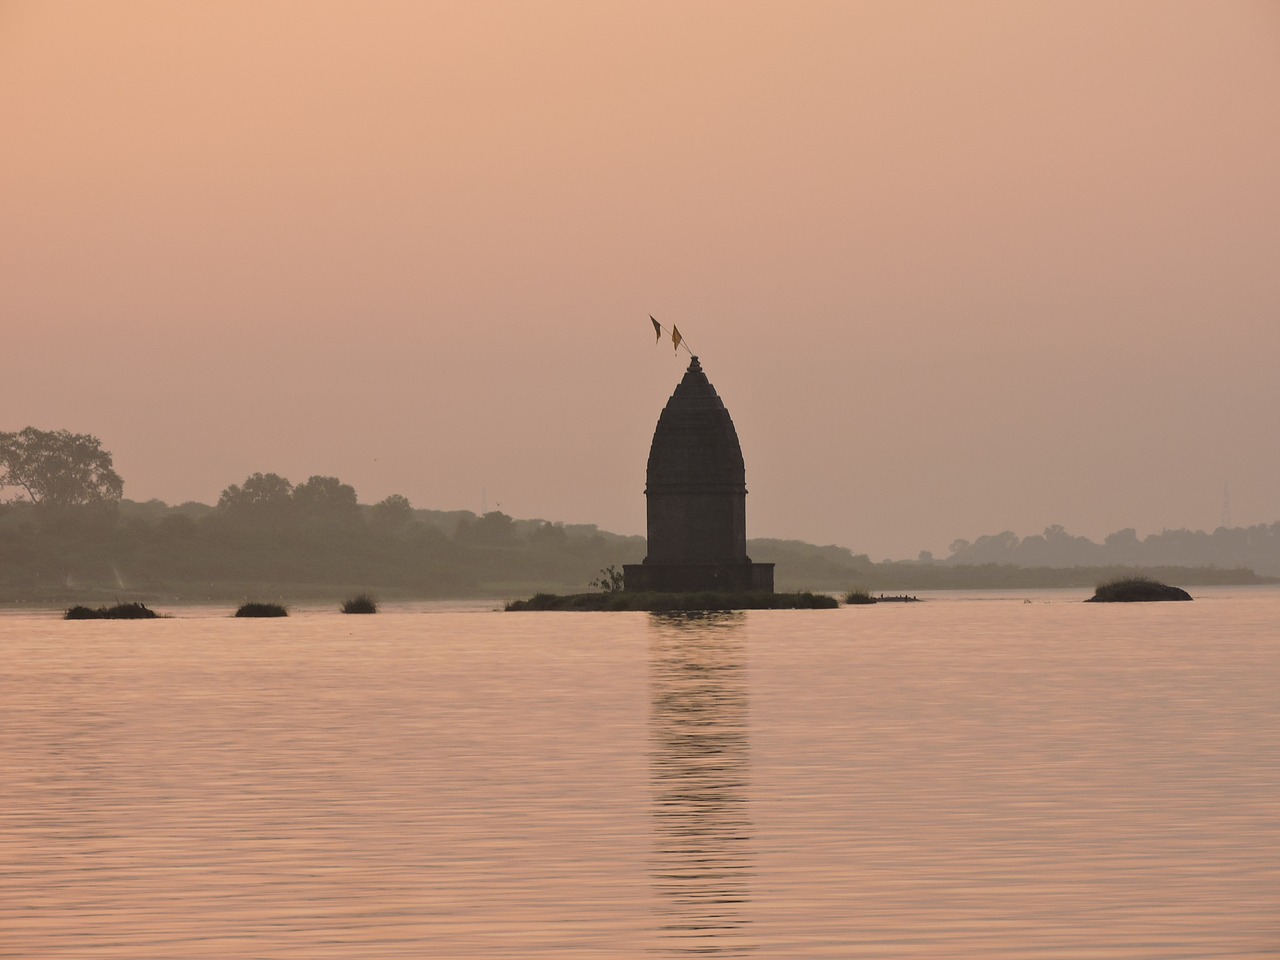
(954, 267)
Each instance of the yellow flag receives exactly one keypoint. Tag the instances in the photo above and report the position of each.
(657, 329)
(675, 338)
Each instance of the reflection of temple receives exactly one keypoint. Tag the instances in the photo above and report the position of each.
(696, 491)
(699, 735)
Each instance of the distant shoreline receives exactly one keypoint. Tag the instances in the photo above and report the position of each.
(298, 551)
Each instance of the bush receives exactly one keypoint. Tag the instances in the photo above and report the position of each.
(360, 603)
(858, 596)
(807, 600)
(262, 610)
(121, 611)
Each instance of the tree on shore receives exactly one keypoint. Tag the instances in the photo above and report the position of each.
(326, 498)
(393, 513)
(263, 495)
(58, 468)
(262, 504)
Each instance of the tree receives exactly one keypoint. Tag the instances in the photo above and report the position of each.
(1123, 546)
(992, 548)
(611, 580)
(262, 494)
(494, 529)
(393, 512)
(326, 498)
(57, 468)
(550, 536)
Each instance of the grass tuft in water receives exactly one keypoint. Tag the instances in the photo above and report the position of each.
(360, 603)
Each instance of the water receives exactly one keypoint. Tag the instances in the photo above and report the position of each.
(975, 776)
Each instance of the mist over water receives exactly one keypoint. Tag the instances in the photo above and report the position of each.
(971, 776)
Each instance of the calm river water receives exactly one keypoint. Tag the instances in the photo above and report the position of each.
(976, 776)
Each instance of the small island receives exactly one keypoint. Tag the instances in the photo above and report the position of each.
(664, 602)
(696, 517)
(860, 597)
(1136, 590)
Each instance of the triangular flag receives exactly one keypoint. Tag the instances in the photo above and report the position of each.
(675, 338)
(657, 329)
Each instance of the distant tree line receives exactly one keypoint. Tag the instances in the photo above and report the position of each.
(805, 566)
(309, 539)
(66, 531)
(1256, 547)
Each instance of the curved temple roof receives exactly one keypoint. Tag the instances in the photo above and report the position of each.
(695, 445)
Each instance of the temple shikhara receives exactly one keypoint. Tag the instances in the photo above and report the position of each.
(696, 488)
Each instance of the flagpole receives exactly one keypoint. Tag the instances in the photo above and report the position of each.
(674, 333)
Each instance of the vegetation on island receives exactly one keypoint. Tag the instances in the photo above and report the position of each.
(1136, 590)
(612, 595)
(859, 597)
(663, 602)
(121, 611)
(611, 580)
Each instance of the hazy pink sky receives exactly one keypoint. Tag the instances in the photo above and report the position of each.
(954, 267)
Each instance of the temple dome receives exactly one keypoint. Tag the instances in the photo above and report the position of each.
(695, 444)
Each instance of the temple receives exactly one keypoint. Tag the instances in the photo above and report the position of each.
(696, 492)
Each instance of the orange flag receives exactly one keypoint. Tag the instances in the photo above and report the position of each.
(657, 329)
(675, 338)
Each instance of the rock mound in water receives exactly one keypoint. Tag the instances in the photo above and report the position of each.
(1136, 590)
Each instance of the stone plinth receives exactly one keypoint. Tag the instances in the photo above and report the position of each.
(689, 577)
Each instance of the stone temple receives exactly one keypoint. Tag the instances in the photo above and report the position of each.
(697, 499)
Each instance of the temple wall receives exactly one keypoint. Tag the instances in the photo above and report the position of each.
(697, 527)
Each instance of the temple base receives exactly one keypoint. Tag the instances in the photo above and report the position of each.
(731, 577)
